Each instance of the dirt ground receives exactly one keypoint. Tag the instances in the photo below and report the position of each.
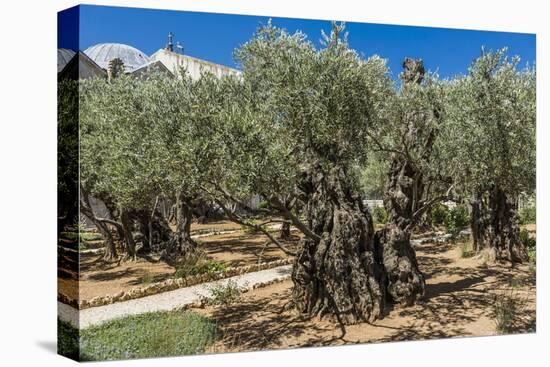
(460, 295)
(99, 278)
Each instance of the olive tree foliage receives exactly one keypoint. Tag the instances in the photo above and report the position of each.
(489, 147)
(67, 153)
(373, 175)
(316, 106)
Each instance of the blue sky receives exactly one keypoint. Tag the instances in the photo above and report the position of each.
(214, 37)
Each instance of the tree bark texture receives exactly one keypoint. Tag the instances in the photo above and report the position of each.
(339, 274)
(181, 243)
(406, 283)
(494, 222)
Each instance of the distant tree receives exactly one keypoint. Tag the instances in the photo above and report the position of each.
(489, 148)
(134, 151)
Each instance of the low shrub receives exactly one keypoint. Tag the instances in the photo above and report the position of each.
(528, 215)
(530, 244)
(466, 249)
(264, 205)
(224, 293)
(198, 264)
(380, 215)
(506, 308)
(440, 213)
(457, 219)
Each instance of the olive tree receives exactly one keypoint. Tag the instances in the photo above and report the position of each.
(489, 148)
(134, 151)
(412, 120)
(311, 109)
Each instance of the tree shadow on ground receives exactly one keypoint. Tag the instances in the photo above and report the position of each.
(433, 248)
(105, 277)
(258, 324)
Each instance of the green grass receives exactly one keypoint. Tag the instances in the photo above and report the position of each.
(67, 340)
(159, 334)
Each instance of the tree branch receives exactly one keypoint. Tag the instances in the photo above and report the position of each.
(233, 217)
(294, 219)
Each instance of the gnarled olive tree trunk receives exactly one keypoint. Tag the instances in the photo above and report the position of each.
(126, 218)
(494, 222)
(406, 283)
(181, 243)
(338, 273)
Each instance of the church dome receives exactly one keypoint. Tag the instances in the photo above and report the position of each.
(104, 52)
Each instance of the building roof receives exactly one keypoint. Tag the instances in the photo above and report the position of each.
(102, 53)
(64, 55)
(193, 66)
(81, 67)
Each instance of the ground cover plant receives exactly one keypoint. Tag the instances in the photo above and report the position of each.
(148, 335)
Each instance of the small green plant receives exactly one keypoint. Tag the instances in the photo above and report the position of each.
(528, 214)
(440, 214)
(224, 293)
(507, 307)
(264, 204)
(466, 250)
(530, 244)
(147, 278)
(198, 264)
(514, 282)
(380, 215)
(457, 219)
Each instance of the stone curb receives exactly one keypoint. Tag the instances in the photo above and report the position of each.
(169, 285)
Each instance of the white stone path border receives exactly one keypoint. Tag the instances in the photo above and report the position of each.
(165, 301)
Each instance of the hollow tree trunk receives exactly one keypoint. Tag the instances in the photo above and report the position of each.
(338, 274)
(495, 226)
(406, 283)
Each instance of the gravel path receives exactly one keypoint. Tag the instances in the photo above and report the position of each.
(165, 301)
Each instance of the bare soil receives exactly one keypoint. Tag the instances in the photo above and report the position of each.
(100, 278)
(459, 301)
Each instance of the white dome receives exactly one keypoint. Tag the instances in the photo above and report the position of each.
(64, 55)
(104, 52)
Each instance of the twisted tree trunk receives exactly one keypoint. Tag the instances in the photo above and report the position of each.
(495, 226)
(127, 225)
(181, 243)
(338, 274)
(406, 283)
